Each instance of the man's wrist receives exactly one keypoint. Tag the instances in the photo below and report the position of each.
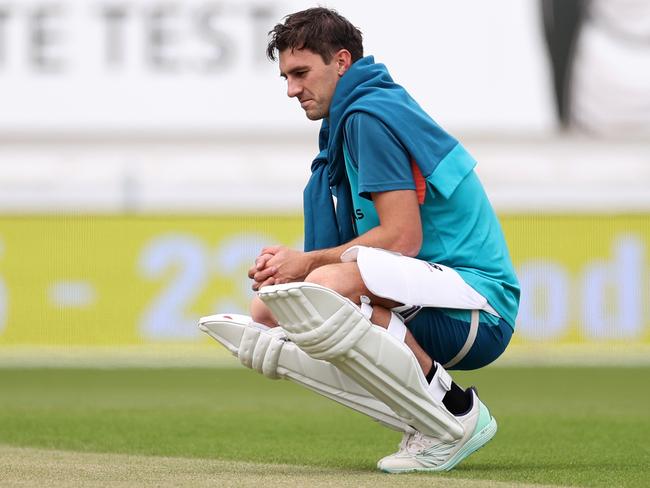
(322, 257)
(314, 259)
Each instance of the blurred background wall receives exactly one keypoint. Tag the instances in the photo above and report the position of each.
(148, 151)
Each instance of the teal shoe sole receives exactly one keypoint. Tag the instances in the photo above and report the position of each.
(477, 441)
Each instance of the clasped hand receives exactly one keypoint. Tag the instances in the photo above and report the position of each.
(279, 264)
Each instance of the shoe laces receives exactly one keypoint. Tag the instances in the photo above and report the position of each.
(416, 443)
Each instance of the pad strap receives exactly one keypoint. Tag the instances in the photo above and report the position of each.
(396, 327)
(471, 337)
(366, 308)
(440, 384)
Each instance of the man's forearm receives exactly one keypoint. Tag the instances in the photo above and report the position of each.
(376, 237)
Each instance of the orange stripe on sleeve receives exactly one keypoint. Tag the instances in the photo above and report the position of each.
(420, 183)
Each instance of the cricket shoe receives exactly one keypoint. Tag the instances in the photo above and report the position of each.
(418, 452)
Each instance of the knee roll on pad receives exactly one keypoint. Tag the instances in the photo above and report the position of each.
(260, 350)
(321, 339)
(328, 326)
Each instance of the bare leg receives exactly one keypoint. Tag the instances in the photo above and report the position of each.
(261, 314)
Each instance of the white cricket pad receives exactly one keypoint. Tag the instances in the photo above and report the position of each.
(413, 281)
(268, 351)
(330, 327)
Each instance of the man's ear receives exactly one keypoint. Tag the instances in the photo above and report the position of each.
(343, 60)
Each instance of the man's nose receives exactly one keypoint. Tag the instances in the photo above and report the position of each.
(293, 88)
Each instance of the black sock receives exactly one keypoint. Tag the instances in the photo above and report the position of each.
(457, 400)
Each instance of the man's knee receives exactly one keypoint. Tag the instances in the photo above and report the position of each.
(324, 276)
(344, 279)
(261, 314)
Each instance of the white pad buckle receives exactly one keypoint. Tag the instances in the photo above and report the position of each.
(366, 308)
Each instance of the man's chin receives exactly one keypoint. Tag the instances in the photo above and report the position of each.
(313, 115)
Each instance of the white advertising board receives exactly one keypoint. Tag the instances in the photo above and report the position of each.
(198, 65)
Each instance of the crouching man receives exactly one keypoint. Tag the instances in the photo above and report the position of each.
(406, 277)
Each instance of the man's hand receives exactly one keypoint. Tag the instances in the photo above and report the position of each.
(260, 264)
(264, 274)
(279, 264)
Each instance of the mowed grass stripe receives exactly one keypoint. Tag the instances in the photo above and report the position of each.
(557, 426)
(20, 467)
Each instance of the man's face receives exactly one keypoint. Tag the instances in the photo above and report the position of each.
(310, 80)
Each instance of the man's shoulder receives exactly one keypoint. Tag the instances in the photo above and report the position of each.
(367, 138)
(359, 116)
(364, 124)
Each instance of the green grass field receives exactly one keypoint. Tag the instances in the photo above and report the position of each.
(557, 426)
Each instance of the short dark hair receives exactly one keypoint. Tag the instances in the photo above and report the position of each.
(321, 30)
